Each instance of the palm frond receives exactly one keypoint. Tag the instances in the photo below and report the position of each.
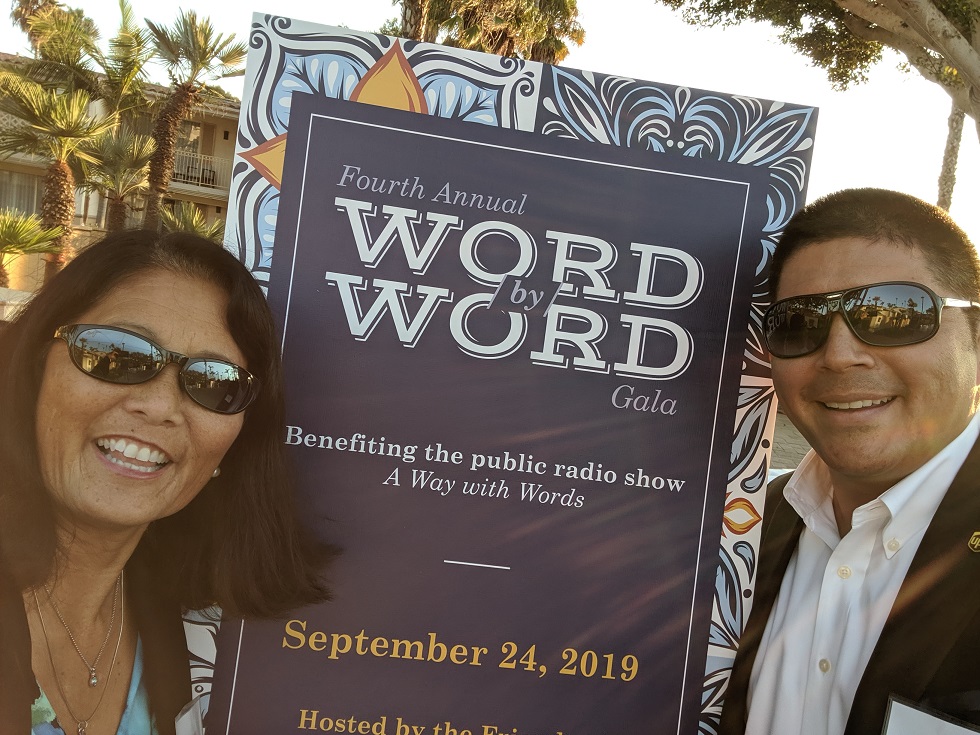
(65, 36)
(53, 124)
(188, 217)
(23, 234)
(194, 51)
(119, 162)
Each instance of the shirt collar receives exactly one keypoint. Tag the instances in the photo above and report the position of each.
(907, 507)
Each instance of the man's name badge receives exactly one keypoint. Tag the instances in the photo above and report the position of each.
(905, 717)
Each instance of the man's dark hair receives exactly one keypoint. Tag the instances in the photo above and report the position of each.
(239, 543)
(880, 214)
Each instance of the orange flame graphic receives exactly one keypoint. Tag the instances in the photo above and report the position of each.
(741, 516)
(391, 83)
(268, 159)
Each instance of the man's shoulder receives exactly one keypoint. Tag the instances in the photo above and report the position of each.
(777, 510)
(776, 485)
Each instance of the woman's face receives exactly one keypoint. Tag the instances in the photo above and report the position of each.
(86, 427)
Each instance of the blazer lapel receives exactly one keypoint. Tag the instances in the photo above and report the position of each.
(935, 603)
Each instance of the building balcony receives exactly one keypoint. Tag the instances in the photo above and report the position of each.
(202, 172)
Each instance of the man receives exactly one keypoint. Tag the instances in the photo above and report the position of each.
(869, 571)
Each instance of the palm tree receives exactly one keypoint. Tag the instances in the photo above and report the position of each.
(561, 24)
(530, 29)
(947, 176)
(187, 217)
(23, 234)
(118, 170)
(21, 12)
(68, 57)
(415, 16)
(55, 126)
(194, 53)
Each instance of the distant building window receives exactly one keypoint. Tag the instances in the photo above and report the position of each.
(189, 137)
(20, 191)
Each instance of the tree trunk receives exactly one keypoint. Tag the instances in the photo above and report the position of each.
(947, 177)
(4, 276)
(58, 210)
(116, 212)
(415, 14)
(176, 108)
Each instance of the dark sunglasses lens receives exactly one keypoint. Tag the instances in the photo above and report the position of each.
(891, 314)
(217, 385)
(797, 326)
(115, 356)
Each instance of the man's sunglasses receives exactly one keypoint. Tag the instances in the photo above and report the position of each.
(119, 356)
(881, 314)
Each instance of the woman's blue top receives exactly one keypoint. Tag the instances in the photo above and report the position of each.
(136, 719)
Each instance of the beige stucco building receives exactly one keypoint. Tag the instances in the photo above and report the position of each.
(202, 174)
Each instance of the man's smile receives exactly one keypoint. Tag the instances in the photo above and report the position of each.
(863, 403)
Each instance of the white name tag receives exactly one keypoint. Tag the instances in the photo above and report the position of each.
(907, 718)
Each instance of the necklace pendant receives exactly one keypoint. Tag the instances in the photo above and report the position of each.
(93, 681)
(82, 726)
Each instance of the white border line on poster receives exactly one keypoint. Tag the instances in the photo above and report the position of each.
(711, 452)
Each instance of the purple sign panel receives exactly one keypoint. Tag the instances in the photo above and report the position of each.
(512, 368)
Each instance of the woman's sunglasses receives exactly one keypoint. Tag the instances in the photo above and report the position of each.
(882, 314)
(119, 356)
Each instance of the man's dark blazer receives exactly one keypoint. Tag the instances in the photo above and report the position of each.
(166, 663)
(929, 648)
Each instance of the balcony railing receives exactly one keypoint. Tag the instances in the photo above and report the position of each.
(206, 171)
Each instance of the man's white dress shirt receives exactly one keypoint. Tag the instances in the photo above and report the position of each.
(837, 592)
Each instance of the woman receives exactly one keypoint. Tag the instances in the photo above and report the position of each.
(136, 483)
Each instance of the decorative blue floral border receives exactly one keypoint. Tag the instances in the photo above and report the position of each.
(287, 56)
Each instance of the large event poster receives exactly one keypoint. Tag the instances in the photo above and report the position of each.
(526, 391)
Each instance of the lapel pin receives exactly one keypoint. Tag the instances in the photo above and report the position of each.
(974, 542)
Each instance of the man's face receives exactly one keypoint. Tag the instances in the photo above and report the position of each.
(923, 395)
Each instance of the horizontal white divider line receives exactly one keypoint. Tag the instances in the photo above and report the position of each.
(474, 564)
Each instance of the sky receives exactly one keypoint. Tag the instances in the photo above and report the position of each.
(889, 132)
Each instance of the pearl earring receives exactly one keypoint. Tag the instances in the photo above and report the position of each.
(217, 471)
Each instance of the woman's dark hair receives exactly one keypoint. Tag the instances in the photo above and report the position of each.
(239, 543)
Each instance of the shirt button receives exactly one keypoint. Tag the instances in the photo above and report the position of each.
(844, 572)
(824, 665)
(893, 545)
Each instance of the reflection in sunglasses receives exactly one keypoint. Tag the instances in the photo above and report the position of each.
(883, 315)
(120, 356)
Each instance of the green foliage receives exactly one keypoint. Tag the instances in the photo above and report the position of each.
(68, 57)
(118, 162)
(21, 12)
(55, 125)
(193, 51)
(529, 29)
(842, 44)
(21, 234)
(188, 217)
(391, 27)
(815, 28)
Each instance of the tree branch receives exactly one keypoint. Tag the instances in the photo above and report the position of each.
(964, 95)
(944, 37)
(878, 15)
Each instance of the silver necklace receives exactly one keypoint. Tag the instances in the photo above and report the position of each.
(82, 723)
(93, 678)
